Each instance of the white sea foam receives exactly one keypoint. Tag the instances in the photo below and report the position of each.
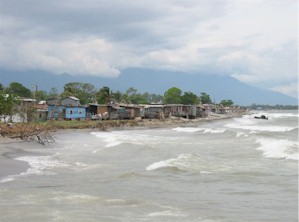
(245, 120)
(185, 161)
(241, 134)
(8, 179)
(208, 130)
(161, 164)
(261, 128)
(79, 164)
(38, 165)
(271, 115)
(73, 197)
(193, 129)
(179, 163)
(82, 166)
(283, 115)
(120, 137)
(110, 138)
(187, 129)
(273, 148)
(166, 213)
(97, 150)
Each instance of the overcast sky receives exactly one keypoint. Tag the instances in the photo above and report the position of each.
(254, 41)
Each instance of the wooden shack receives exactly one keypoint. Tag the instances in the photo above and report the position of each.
(180, 110)
(102, 111)
(153, 111)
(129, 111)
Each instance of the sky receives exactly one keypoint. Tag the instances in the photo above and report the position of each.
(254, 41)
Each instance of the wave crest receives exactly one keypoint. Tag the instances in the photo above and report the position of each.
(184, 162)
(194, 129)
(261, 128)
(280, 149)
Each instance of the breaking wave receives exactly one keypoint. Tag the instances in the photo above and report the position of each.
(241, 134)
(38, 165)
(184, 162)
(273, 148)
(187, 129)
(43, 165)
(112, 139)
(261, 128)
(283, 115)
(194, 129)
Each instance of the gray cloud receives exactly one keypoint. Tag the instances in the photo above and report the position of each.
(250, 40)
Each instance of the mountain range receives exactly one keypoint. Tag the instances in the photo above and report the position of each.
(156, 81)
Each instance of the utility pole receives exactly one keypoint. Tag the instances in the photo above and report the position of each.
(34, 92)
(34, 101)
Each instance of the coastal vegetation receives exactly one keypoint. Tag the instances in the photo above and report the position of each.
(31, 130)
(272, 107)
(88, 93)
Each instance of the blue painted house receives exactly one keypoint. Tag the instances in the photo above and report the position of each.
(55, 112)
(67, 109)
(75, 112)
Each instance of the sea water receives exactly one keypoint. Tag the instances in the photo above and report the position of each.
(241, 169)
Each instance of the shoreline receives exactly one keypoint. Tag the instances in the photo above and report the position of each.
(11, 148)
(174, 121)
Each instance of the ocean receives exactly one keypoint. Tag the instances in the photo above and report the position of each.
(239, 169)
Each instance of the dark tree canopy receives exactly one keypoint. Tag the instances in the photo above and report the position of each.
(104, 95)
(41, 95)
(172, 96)
(116, 96)
(228, 102)
(87, 93)
(7, 102)
(132, 96)
(18, 89)
(189, 98)
(205, 98)
(153, 98)
(83, 91)
(138, 99)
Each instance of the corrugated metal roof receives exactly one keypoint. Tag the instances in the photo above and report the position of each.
(74, 98)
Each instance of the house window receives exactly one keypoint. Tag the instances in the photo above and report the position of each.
(71, 112)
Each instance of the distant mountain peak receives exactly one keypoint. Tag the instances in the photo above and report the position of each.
(157, 81)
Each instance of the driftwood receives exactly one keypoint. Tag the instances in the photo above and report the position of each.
(30, 132)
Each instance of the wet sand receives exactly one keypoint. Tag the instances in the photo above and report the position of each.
(10, 149)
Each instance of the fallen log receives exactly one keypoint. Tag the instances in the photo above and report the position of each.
(29, 132)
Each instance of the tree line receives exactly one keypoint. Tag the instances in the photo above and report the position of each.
(271, 107)
(88, 93)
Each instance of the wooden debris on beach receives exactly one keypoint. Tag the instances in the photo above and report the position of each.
(30, 132)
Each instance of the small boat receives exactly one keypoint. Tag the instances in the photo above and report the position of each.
(261, 117)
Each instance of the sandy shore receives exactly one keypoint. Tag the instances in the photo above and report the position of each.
(10, 149)
(13, 148)
(176, 122)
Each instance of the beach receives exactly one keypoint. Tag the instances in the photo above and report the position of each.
(13, 148)
(8, 152)
(216, 170)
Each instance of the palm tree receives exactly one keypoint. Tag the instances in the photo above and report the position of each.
(104, 95)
